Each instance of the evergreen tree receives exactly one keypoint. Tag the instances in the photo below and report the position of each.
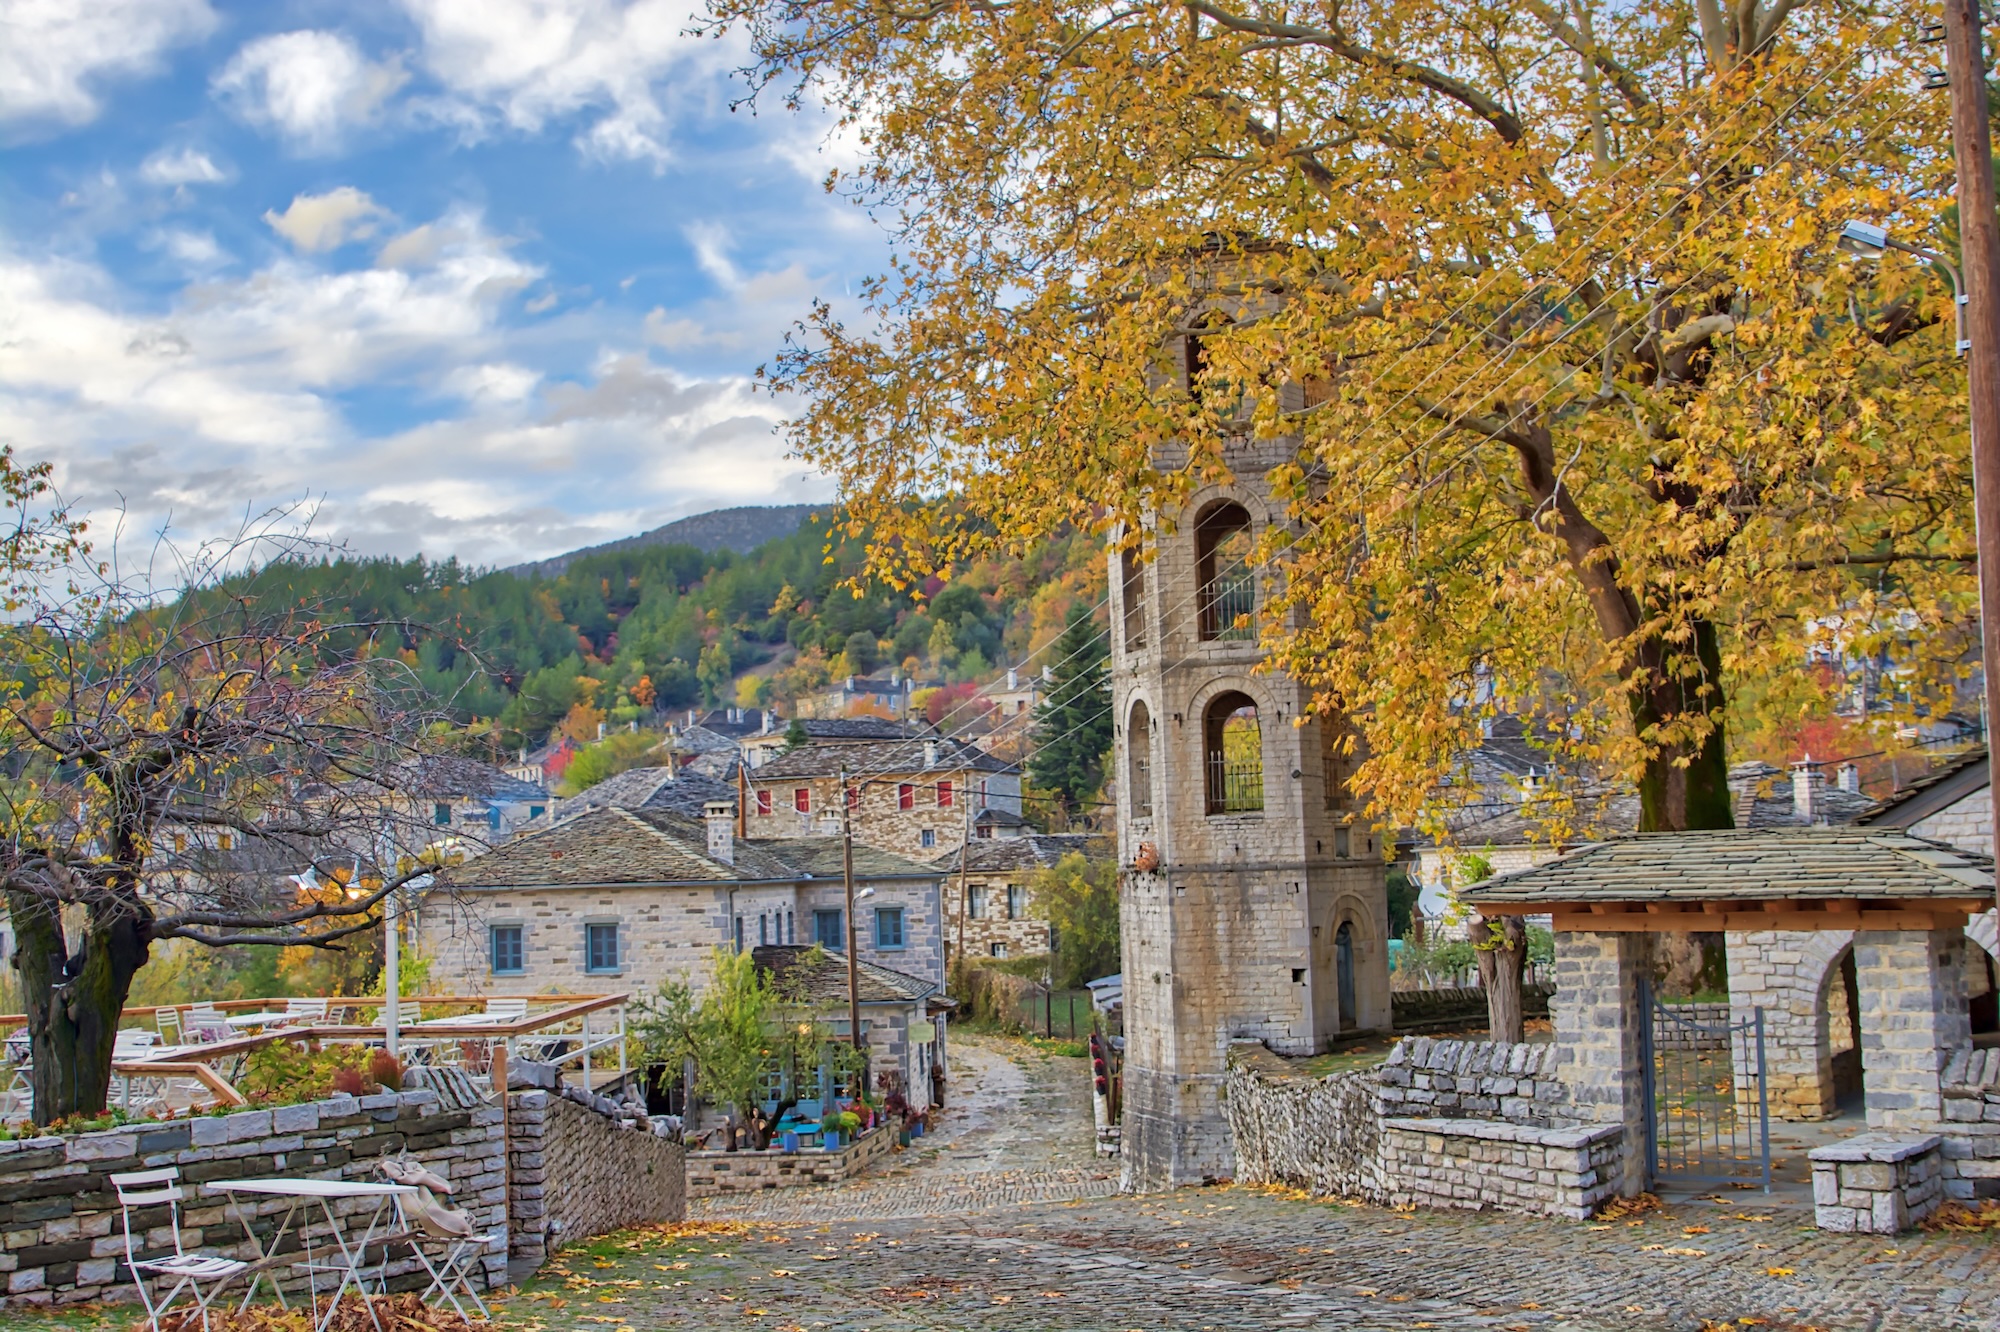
(1073, 724)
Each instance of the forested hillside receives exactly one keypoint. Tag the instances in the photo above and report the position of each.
(622, 635)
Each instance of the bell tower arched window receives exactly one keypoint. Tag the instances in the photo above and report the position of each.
(1228, 583)
(1132, 591)
(1338, 760)
(1233, 745)
(1139, 761)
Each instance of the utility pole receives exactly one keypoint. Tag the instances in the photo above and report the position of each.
(853, 965)
(1979, 249)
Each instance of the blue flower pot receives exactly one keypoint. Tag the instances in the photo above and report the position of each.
(790, 1143)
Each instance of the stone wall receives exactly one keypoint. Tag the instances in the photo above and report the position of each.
(1319, 1134)
(1453, 1004)
(576, 1172)
(1479, 1165)
(710, 1173)
(61, 1225)
(1474, 1080)
(1340, 1135)
(1876, 1184)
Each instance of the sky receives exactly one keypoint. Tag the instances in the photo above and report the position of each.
(474, 278)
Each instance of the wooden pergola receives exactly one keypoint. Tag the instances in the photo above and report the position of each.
(1840, 878)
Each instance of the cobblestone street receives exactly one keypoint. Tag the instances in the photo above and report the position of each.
(1004, 1221)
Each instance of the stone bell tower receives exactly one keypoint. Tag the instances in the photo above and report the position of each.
(1254, 901)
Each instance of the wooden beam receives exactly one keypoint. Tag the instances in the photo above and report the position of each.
(1803, 920)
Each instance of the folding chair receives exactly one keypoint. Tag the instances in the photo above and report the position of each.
(507, 1010)
(168, 1020)
(303, 1010)
(150, 1188)
(206, 1023)
(452, 1230)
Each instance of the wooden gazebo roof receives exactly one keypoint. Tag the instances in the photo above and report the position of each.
(1844, 878)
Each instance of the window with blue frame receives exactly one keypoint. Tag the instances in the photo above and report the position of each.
(828, 932)
(441, 815)
(534, 811)
(509, 957)
(493, 817)
(889, 927)
(600, 948)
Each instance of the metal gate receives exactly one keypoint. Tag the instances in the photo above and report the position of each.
(1708, 1114)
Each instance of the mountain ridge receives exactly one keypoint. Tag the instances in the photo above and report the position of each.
(741, 529)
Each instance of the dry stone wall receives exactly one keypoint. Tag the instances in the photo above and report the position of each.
(577, 1171)
(60, 1226)
(710, 1173)
(1461, 1124)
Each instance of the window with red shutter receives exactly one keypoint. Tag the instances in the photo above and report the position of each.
(906, 796)
(763, 802)
(802, 800)
(944, 795)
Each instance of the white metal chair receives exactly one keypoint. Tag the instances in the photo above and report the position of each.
(429, 1218)
(206, 1023)
(302, 1010)
(189, 1271)
(168, 1020)
(507, 1010)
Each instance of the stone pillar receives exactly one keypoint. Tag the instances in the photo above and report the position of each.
(1599, 1023)
(1913, 1017)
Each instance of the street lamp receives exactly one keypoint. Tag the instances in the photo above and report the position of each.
(1865, 240)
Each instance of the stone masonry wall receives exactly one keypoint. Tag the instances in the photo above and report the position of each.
(60, 1225)
(1340, 1135)
(1478, 1165)
(710, 1173)
(576, 1172)
(1319, 1134)
(1474, 1079)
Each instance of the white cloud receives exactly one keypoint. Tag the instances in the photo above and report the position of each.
(318, 222)
(232, 395)
(196, 249)
(526, 63)
(51, 49)
(311, 87)
(181, 166)
(711, 253)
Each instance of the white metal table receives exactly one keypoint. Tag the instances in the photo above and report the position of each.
(303, 1193)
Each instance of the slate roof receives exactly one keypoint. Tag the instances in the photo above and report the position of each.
(858, 728)
(442, 776)
(825, 980)
(883, 757)
(648, 788)
(1938, 789)
(999, 855)
(1762, 796)
(618, 846)
(658, 846)
(1748, 864)
(819, 858)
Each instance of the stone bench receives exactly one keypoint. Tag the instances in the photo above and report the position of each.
(1480, 1165)
(1878, 1183)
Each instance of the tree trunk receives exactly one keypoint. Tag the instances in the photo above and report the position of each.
(73, 1001)
(1501, 945)
(1682, 790)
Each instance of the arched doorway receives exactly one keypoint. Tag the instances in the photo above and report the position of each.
(1841, 1005)
(1343, 968)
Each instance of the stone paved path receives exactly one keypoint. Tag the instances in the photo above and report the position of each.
(1004, 1223)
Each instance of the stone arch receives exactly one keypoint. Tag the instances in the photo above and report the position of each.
(1232, 753)
(1225, 572)
(1786, 973)
(1139, 758)
(1984, 930)
(1369, 981)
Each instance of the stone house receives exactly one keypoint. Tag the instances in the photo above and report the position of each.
(901, 1014)
(619, 900)
(915, 797)
(990, 902)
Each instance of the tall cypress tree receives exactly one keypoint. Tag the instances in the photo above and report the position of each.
(1073, 723)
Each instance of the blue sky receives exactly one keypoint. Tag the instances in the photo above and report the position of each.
(476, 277)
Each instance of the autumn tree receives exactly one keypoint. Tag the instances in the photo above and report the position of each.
(1579, 410)
(182, 764)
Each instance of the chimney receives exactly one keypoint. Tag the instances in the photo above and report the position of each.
(600, 730)
(930, 753)
(1807, 782)
(1013, 678)
(1048, 674)
(1848, 778)
(720, 816)
(766, 729)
